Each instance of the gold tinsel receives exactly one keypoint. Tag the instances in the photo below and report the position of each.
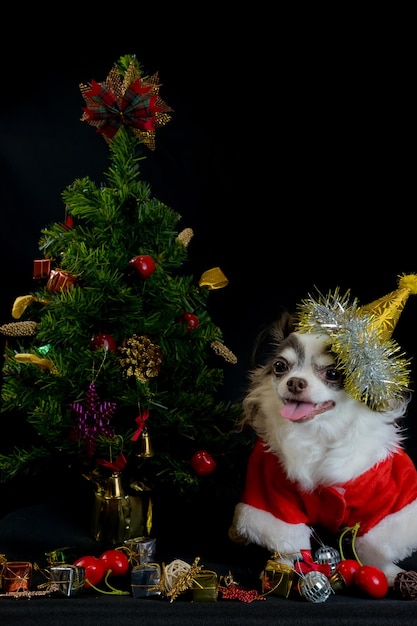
(221, 350)
(19, 329)
(142, 358)
(185, 236)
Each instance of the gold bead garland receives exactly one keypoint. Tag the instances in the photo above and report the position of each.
(19, 329)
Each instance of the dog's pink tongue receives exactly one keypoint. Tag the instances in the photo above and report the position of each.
(296, 410)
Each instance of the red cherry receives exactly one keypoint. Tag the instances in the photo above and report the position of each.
(116, 561)
(103, 341)
(371, 580)
(347, 569)
(203, 463)
(143, 264)
(191, 320)
(94, 569)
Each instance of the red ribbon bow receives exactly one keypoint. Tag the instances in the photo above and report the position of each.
(307, 564)
(117, 466)
(136, 108)
(140, 421)
(133, 102)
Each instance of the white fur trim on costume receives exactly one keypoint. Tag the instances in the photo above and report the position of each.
(392, 540)
(262, 528)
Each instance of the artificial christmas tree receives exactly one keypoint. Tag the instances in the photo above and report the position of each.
(113, 364)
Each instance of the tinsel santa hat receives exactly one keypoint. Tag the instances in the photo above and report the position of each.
(376, 370)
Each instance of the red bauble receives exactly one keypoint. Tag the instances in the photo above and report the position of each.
(143, 264)
(94, 569)
(103, 341)
(115, 561)
(347, 569)
(371, 580)
(191, 320)
(203, 463)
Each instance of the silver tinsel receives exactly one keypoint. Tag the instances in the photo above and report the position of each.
(375, 370)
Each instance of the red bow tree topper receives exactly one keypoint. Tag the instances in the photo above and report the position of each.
(133, 102)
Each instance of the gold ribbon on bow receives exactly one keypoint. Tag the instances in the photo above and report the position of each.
(33, 359)
(213, 279)
(22, 302)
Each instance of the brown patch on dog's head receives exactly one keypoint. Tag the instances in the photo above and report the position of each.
(270, 337)
(265, 346)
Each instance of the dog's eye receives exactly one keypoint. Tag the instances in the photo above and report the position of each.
(280, 367)
(333, 375)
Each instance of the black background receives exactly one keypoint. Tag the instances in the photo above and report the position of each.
(290, 153)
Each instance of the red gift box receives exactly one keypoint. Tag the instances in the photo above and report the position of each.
(41, 268)
(59, 281)
(17, 576)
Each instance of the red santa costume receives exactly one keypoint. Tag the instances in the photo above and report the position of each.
(276, 513)
(383, 490)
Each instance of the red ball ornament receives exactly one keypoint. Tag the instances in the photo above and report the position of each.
(94, 569)
(115, 561)
(191, 320)
(203, 463)
(347, 569)
(103, 341)
(371, 580)
(143, 264)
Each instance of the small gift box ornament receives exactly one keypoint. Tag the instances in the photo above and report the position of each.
(17, 576)
(205, 587)
(145, 580)
(143, 549)
(67, 580)
(277, 579)
(61, 556)
(41, 268)
(60, 281)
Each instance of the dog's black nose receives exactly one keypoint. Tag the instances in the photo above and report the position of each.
(295, 384)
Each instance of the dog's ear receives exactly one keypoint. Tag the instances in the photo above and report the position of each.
(282, 327)
(270, 337)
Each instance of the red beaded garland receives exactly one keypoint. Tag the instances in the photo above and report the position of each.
(243, 595)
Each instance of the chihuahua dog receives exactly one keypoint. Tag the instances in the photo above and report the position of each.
(322, 459)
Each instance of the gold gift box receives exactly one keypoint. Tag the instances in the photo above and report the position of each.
(277, 579)
(205, 587)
